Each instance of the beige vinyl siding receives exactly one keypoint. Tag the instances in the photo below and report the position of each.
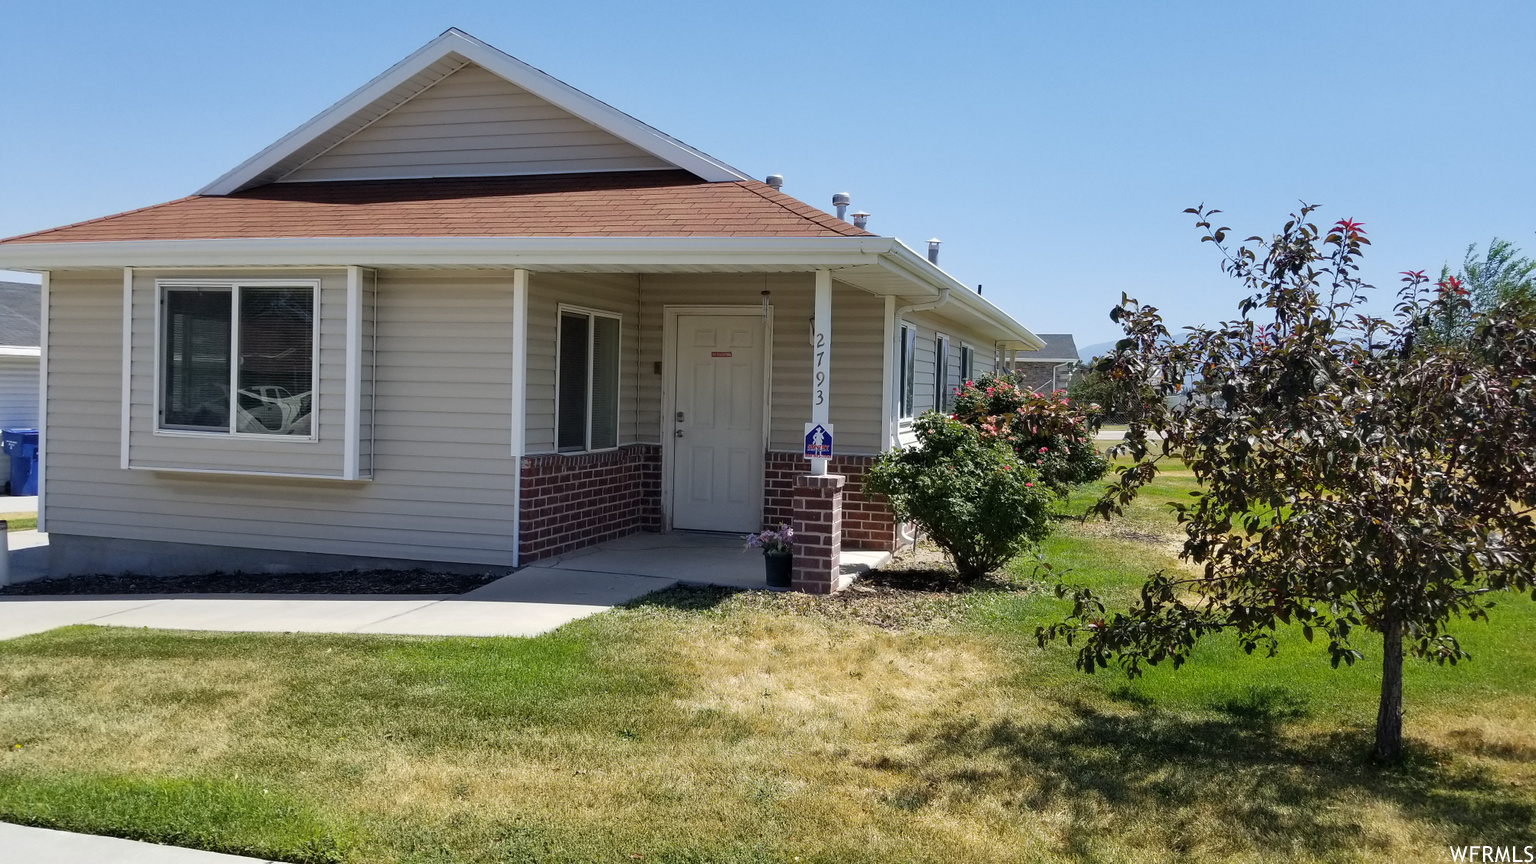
(616, 293)
(360, 120)
(149, 448)
(443, 472)
(856, 362)
(474, 123)
(18, 393)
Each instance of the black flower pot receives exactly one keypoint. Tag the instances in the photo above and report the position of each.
(781, 568)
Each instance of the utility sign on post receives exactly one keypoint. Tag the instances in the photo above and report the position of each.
(818, 441)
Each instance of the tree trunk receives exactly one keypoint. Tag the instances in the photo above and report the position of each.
(1389, 714)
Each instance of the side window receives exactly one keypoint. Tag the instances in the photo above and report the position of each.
(587, 381)
(237, 358)
(906, 370)
(941, 394)
(966, 356)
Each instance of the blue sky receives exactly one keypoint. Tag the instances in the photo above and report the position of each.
(1051, 146)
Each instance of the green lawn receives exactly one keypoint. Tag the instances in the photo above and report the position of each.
(19, 521)
(706, 726)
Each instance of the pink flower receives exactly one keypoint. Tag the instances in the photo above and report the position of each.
(1029, 484)
(1045, 449)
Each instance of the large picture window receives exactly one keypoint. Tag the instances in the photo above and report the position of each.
(238, 359)
(587, 391)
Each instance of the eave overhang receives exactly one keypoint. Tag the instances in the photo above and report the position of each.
(879, 265)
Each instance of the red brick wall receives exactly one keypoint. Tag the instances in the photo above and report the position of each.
(575, 500)
(867, 521)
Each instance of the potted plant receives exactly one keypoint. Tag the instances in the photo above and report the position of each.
(778, 554)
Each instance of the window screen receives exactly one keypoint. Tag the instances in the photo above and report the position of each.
(605, 383)
(575, 342)
(908, 370)
(941, 394)
(277, 352)
(196, 358)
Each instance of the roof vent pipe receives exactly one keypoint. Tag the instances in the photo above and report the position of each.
(933, 251)
(841, 202)
(775, 182)
(860, 219)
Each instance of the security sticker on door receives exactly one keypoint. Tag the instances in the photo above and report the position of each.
(818, 440)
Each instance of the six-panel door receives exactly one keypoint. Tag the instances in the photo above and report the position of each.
(717, 454)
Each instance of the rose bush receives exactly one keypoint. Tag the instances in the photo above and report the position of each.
(971, 493)
(1048, 432)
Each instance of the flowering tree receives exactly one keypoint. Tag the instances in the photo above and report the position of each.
(1048, 432)
(1354, 474)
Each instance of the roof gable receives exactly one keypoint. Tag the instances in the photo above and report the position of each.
(474, 123)
(487, 119)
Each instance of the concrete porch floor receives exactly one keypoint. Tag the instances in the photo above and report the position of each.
(694, 557)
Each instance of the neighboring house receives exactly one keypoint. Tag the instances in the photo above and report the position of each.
(1051, 367)
(20, 303)
(471, 315)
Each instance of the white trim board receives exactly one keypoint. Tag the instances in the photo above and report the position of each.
(450, 52)
(879, 265)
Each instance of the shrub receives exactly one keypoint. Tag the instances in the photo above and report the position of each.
(1049, 432)
(972, 495)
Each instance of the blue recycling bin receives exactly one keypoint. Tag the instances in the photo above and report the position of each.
(20, 446)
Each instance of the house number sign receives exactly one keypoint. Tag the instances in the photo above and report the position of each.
(819, 370)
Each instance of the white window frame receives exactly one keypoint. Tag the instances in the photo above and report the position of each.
(163, 286)
(941, 373)
(967, 364)
(618, 439)
(906, 358)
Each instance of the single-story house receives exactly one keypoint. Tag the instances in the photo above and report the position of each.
(20, 303)
(1051, 367)
(471, 315)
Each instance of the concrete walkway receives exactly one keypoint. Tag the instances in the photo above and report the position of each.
(531, 601)
(534, 600)
(45, 846)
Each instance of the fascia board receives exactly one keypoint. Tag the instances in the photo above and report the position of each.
(318, 125)
(535, 81)
(528, 252)
(595, 111)
(920, 269)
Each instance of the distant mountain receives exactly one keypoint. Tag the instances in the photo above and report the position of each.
(1088, 352)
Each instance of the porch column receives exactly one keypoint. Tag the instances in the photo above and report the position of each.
(818, 533)
(821, 359)
(818, 509)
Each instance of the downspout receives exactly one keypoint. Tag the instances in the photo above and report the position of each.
(519, 404)
(924, 307)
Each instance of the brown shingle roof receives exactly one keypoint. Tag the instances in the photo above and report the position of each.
(618, 204)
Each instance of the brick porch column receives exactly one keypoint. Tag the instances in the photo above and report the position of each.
(818, 525)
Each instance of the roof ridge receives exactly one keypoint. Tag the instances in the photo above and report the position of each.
(106, 218)
(821, 217)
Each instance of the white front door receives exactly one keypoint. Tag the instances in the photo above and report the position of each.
(717, 445)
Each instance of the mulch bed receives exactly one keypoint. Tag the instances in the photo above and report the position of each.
(340, 582)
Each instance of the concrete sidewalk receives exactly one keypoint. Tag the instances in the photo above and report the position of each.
(532, 601)
(46, 846)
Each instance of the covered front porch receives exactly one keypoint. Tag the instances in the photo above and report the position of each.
(689, 557)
